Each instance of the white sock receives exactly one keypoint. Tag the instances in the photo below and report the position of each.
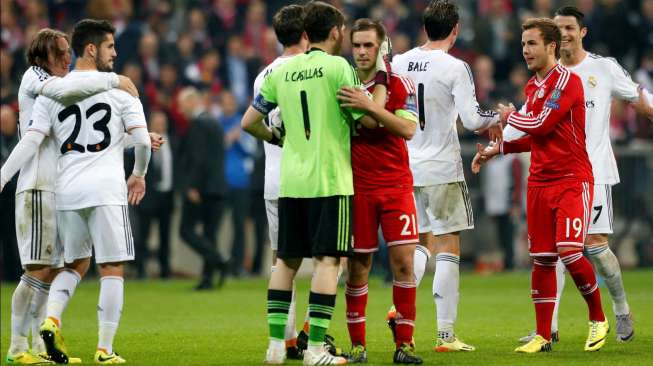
(62, 289)
(445, 292)
(20, 302)
(607, 265)
(109, 310)
(38, 314)
(420, 260)
(291, 331)
(560, 286)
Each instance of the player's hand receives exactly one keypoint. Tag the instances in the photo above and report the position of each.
(495, 132)
(504, 112)
(156, 141)
(642, 106)
(278, 134)
(483, 155)
(135, 189)
(352, 97)
(194, 196)
(127, 85)
(383, 58)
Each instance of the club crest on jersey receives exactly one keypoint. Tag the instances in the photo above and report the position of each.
(592, 81)
(540, 93)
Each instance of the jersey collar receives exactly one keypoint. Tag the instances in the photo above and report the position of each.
(315, 49)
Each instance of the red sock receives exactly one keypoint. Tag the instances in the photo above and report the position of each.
(403, 296)
(356, 296)
(543, 293)
(582, 272)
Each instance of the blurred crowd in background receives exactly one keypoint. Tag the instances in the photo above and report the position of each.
(219, 46)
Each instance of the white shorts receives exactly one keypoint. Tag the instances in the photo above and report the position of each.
(36, 229)
(444, 208)
(272, 211)
(103, 228)
(601, 220)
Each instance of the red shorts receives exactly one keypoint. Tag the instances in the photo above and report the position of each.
(558, 216)
(394, 212)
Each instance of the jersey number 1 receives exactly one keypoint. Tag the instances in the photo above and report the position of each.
(420, 106)
(100, 125)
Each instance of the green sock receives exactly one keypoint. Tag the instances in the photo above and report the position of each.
(320, 309)
(278, 306)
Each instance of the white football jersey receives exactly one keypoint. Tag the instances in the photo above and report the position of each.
(39, 173)
(603, 78)
(272, 152)
(89, 135)
(445, 90)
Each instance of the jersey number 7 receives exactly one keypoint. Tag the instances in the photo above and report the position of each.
(100, 125)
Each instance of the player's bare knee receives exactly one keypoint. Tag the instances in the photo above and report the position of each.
(358, 268)
(80, 266)
(41, 272)
(448, 243)
(116, 269)
(596, 240)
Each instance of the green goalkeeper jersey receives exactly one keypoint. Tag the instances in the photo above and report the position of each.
(316, 157)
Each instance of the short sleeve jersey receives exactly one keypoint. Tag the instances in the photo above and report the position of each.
(89, 136)
(379, 157)
(316, 157)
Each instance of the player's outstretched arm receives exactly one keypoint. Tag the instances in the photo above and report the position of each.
(464, 94)
(253, 124)
(156, 141)
(71, 90)
(644, 105)
(20, 155)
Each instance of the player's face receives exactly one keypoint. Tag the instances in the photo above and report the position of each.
(106, 54)
(365, 47)
(572, 33)
(535, 52)
(59, 63)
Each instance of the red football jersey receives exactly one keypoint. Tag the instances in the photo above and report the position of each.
(555, 124)
(379, 158)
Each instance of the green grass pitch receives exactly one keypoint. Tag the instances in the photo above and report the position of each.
(166, 323)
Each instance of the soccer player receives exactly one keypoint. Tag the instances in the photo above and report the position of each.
(445, 90)
(49, 59)
(603, 79)
(383, 194)
(560, 181)
(91, 194)
(316, 180)
(288, 24)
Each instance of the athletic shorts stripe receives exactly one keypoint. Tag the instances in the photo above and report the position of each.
(32, 250)
(40, 224)
(130, 236)
(468, 209)
(608, 194)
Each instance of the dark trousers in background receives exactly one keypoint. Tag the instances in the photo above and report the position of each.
(260, 228)
(9, 257)
(162, 213)
(505, 230)
(239, 202)
(208, 213)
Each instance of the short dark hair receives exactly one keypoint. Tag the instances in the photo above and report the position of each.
(319, 19)
(549, 30)
(365, 24)
(572, 11)
(90, 31)
(439, 18)
(288, 24)
(44, 44)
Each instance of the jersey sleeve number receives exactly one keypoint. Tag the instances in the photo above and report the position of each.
(101, 125)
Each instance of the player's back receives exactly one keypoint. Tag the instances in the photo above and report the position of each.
(434, 150)
(89, 136)
(38, 173)
(316, 159)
